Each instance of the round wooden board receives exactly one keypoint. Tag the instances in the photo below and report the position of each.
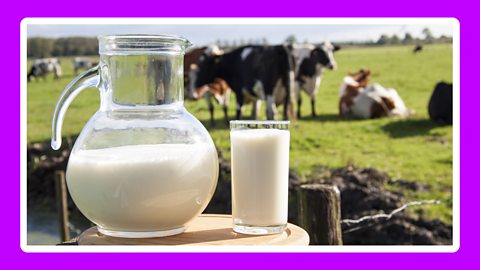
(204, 230)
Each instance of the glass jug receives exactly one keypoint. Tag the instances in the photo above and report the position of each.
(142, 166)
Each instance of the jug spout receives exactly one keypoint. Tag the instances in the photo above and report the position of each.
(90, 78)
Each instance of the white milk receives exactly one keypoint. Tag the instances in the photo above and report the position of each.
(143, 187)
(260, 176)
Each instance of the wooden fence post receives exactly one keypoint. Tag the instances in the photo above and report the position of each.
(320, 213)
(62, 205)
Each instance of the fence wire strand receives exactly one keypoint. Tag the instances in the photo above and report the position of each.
(374, 219)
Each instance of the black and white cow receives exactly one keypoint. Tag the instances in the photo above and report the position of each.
(43, 66)
(254, 73)
(310, 63)
(81, 63)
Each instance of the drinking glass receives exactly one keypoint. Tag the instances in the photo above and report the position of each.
(260, 157)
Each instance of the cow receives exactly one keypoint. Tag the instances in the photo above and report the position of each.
(310, 63)
(81, 63)
(218, 89)
(360, 100)
(43, 66)
(440, 106)
(254, 73)
(190, 62)
(417, 49)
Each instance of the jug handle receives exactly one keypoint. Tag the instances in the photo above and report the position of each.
(89, 78)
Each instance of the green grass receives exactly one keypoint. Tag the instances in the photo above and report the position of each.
(413, 148)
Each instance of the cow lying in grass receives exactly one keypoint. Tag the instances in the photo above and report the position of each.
(358, 99)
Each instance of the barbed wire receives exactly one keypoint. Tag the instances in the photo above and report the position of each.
(373, 219)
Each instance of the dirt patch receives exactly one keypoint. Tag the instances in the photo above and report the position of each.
(42, 163)
(363, 193)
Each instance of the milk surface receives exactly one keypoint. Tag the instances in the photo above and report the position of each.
(260, 176)
(143, 187)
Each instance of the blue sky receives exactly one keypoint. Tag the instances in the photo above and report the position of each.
(205, 34)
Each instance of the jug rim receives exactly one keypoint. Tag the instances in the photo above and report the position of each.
(143, 43)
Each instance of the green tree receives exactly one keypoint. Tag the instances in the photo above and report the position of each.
(384, 39)
(394, 39)
(408, 39)
(39, 47)
(427, 34)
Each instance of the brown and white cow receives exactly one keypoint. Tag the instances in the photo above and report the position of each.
(220, 92)
(190, 63)
(218, 89)
(358, 99)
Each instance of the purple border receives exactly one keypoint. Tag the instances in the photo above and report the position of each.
(10, 198)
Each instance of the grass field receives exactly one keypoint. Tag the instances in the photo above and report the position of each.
(413, 148)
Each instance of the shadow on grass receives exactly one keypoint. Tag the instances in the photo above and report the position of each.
(408, 128)
(447, 161)
(331, 117)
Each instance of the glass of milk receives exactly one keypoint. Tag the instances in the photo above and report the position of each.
(260, 160)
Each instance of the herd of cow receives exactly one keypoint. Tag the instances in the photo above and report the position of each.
(277, 75)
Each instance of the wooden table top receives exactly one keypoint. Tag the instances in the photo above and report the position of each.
(204, 230)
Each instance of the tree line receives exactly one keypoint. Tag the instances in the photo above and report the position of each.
(72, 46)
(427, 38)
(407, 39)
